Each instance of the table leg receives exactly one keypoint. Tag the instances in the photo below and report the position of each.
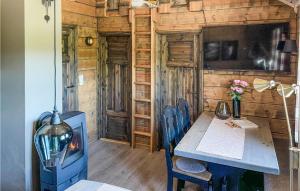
(225, 178)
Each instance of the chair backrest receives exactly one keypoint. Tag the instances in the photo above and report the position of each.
(183, 107)
(171, 123)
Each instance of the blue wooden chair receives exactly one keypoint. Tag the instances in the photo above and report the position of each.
(183, 107)
(171, 131)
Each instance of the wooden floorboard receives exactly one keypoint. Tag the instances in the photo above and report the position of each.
(139, 170)
(120, 165)
(134, 169)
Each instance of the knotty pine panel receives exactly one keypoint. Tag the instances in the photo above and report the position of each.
(221, 12)
(143, 75)
(142, 108)
(69, 18)
(87, 2)
(267, 104)
(181, 18)
(114, 24)
(143, 24)
(142, 125)
(87, 31)
(87, 53)
(142, 11)
(88, 101)
(87, 64)
(194, 18)
(252, 96)
(78, 8)
(143, 42)
(222, 4)
(81, 14)
(272, 111)
(143, 55)
(143, 92)
(244, 15)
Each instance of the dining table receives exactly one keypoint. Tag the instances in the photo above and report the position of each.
(259, 153)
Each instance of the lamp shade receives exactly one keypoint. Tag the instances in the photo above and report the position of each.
(288, 90)
(290, 46)
(261, 85)
(52, 140)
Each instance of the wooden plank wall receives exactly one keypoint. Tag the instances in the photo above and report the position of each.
(113, 21)
(81, 14)
(230, 12)
(190, 16)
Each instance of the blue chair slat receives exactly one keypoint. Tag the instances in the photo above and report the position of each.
(183, 107)
(171, 122)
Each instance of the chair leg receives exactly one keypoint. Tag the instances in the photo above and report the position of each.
(170, 183)
(180, 184)
(224, 183)
(210, 186)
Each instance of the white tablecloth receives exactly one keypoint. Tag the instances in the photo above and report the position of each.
(220, 139)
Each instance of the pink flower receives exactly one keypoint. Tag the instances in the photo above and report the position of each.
(244, 84)
(239, 90)
(236, 82)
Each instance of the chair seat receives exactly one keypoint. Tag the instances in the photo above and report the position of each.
(205, 175)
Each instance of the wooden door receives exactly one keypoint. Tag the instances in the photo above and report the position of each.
(70, 96)
(180, 73)
(116, 87)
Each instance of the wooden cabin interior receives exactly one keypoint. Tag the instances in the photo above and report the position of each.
(126, 65)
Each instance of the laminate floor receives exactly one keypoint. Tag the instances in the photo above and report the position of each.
(134, 169)
(140, 170)
(281, 182)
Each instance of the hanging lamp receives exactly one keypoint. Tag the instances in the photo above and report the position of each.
(53, 137)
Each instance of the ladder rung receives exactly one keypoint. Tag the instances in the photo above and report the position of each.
(143, 83)
(142, 100)
(142, 133)
(143, 49)
(142, 15)
(142, 116)
(142, 66)
(143, 33)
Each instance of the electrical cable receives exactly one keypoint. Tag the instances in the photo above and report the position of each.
(55, 108)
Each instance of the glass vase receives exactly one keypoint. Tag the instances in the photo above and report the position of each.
(236, 109)
(222, 110)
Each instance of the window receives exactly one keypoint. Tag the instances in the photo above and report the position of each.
(113, 5)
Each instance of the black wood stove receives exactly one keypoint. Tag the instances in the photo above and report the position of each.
(74, 165)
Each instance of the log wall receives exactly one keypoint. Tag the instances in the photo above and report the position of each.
(192, 16)
(81, 14)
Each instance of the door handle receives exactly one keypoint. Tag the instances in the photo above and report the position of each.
(71, 86)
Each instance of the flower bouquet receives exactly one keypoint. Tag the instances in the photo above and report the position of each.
(237, 89)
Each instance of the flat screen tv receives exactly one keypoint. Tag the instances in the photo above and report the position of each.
(246, 47)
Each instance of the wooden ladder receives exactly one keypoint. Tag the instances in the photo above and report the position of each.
(143, 84)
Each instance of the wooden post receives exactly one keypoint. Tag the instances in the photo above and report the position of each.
(133, 73)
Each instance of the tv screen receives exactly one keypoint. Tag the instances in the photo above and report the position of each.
(246, 47)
